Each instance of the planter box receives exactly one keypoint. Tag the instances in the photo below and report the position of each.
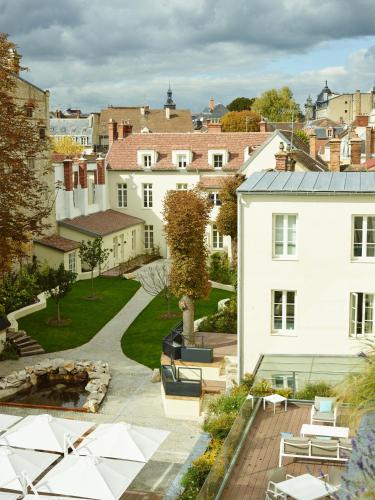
(176, 387)
(197, 354)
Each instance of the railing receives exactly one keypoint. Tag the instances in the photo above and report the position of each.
(225, 460)
(176, 341)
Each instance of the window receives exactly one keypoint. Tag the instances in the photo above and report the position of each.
(284, 235)
(181, 187)
(122, 195)
(217, 239)
(218, 160)
(283, 310)
(146, 161)
(181, 161)
(149, 237)
(363, 236)
(72, 262)
(29, 111)
(84, 140)
(134, 239)
(147, 195)
(214, 197)
(329, 132)
(283, 382)
(42, 133)
(361, 314)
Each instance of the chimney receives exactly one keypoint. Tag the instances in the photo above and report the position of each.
(262, 125)
(167, 113)
(334, 156)
(355, 147)
(211, 104)
(82, 172)
(369, 142)
(142, 109)
(112, 131)
(100, 176)
(357, 103)
(281, 158)
(213, 127)
(68, 174)
(313, 144)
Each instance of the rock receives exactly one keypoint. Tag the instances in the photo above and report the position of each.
(69, 366)
(155, 377)
(93, 385)
(91, 405)
(33, 379)
(62, 371)
(104, 379)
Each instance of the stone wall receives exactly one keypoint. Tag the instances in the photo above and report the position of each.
(97, 373)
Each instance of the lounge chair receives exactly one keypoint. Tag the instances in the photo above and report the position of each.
(275, 476)
(315, 449)
(324, 411)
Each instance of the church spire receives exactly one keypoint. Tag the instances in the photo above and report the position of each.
(169, 102)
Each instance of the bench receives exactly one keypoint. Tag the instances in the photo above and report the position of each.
(315, 449)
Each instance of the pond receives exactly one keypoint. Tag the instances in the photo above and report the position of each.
(70, 395)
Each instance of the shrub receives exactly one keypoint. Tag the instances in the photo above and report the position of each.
(218, 426)
(220, 269)
(264, 388)
(313, 389)
(19, 290)
(9, 352)
(248, 381)
(227, 403)
(224, 321)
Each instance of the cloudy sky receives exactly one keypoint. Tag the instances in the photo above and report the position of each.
(91, 53)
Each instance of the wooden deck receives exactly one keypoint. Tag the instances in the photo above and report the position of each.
(260, 453)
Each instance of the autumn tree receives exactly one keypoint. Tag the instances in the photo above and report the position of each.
(241, 121)
(241, 103)
(66, 145)
(299, 132)
(58, 283)
(278, 105)
(226, 221)
(186, 214)
(93, 255)
(24, 205)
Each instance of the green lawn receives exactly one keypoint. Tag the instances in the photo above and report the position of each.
(142, 341)
(88, 317)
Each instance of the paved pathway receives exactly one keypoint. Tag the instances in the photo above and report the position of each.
(131, 396)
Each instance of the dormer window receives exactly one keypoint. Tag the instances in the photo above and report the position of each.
(146, 158)
(146, 161)
(218, 160)
(181, 161)
(181, 158)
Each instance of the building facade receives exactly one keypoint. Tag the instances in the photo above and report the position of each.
(83, 130)
(306, 265)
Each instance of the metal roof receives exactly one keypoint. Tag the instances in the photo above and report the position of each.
(309, 182)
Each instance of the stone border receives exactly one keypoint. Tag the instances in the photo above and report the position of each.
(25, 311)
(97, 372)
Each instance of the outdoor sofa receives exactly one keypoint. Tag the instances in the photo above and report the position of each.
(315, 449)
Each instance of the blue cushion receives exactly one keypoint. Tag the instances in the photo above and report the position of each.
(286, 435)
(325, 406)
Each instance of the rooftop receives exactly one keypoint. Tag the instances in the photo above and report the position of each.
(58, 243)
(101, 223)
(309, 182)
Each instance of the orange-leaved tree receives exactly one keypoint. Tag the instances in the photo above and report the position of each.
(226, 221)
(186, 214)
(241, 121)
(24, 203)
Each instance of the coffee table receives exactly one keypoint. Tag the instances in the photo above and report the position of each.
(324, 430)
(274, 399)
(305, 487)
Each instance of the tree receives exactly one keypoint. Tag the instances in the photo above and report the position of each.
(226, 221)
(186, 214)
(94, 255)
(155, 280)
(278, 105)
(241, 121)
(299, 132)
(241, 103)
(58, 283)
(23, 187)
(66, 145)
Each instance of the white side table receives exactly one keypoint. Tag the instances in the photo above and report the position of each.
(251, 397)
(274, 399)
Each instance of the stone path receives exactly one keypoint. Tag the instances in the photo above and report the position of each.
(131, 396)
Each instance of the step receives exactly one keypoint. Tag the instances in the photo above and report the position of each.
(18, 337)
(32, 353)
(26, 342)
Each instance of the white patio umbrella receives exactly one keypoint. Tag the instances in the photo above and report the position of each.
(90, 477)
(14, 463)
(44, 432)
(44, 497)
(9, 496)
(124, 441)
(7, 420)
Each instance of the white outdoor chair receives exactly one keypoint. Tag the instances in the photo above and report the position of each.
(275, 476)
(323, 417)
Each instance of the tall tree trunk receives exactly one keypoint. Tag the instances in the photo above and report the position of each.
(58, 312)
(187, 306)
(92, 283)
(233, 242)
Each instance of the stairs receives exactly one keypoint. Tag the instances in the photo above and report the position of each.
(24, 344)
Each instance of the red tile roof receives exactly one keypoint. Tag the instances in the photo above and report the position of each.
(370, 164)
(58, 243)
(101, 223)
(212, 181)
(123, 153)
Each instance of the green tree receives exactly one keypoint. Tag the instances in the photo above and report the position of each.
(241, 121)
(278, 105)
(186, 214)
(58, 283)
(226, 221)
(23, 186)
(299, 132)
(93, 255)
(241, 103)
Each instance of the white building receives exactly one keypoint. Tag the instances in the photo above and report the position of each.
(306, 262)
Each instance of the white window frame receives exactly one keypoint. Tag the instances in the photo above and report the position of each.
(214, 196)
(217, 239)
(364, 242)
(213, 152)
(84, 140)
(358, 329)
(147, 195)
(285, 241)
(181, 156)
(72, 262)
(283, 330)
(145, 153)
(181, 186)
(285, 381)
(149, 236)
(122, 195)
